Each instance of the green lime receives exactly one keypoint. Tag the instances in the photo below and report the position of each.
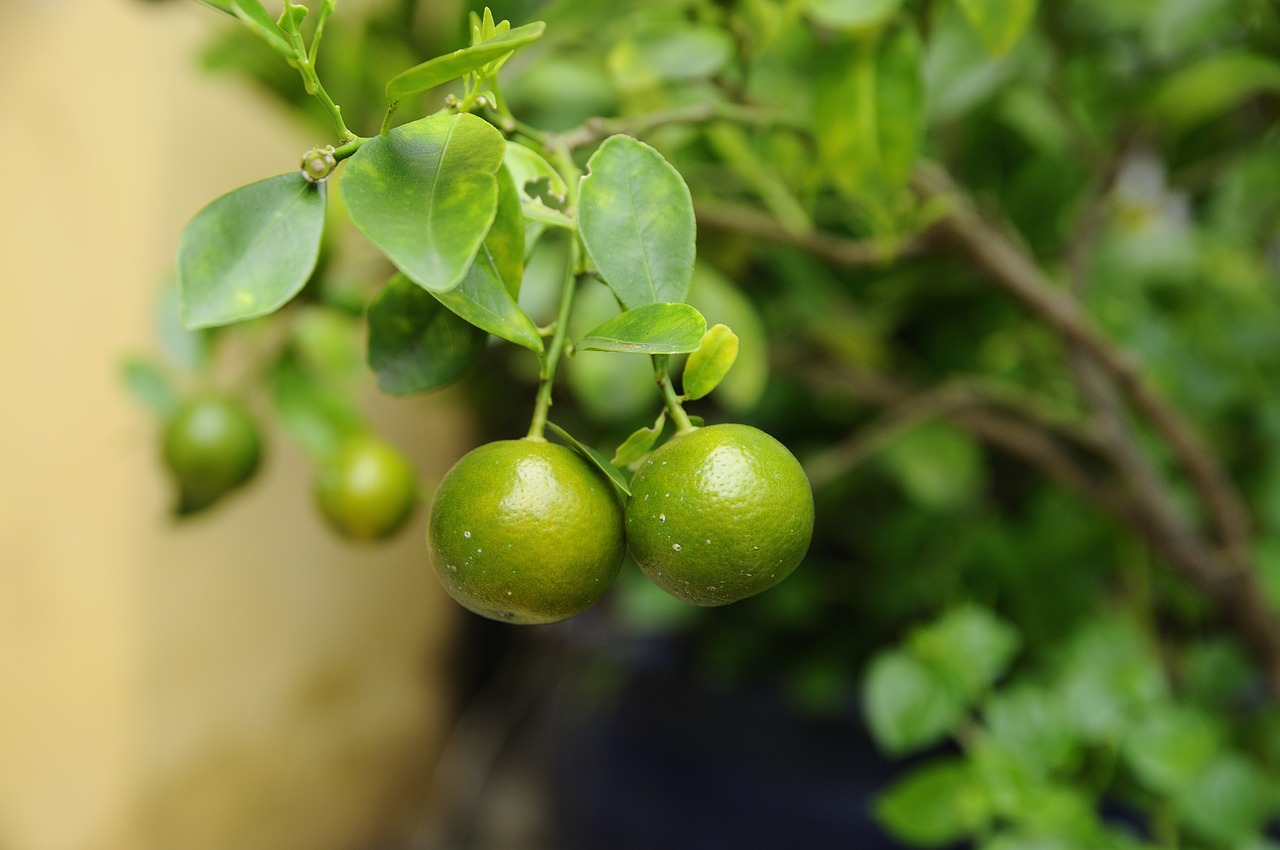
(719, 514)
(367, 490)
(211, 446)
(525, 531)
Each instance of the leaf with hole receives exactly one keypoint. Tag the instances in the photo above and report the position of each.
(426, 193)
(650, 329)
(543, 193)
(415, 343)
(250, 251)
(635, 215)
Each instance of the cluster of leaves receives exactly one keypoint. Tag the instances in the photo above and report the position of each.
(1128, 148)
(1089, 748)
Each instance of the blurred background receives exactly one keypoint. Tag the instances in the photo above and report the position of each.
(241, 679)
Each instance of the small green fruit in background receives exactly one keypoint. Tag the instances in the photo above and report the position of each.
(367, 489)
(211, 446)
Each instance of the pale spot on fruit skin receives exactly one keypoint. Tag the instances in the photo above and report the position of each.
(708, 541)
(712, 588)
(675, 546)
(452, 568)
(466, 534)
(662, 517)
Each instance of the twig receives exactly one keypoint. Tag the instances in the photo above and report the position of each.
(1030, 441)
(596, 129)
(831, 247)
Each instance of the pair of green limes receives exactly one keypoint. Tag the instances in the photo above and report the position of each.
(366, 489)
(526, 531)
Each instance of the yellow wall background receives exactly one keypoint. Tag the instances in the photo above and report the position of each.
(242, 681)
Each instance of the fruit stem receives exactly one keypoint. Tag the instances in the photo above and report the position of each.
(551, 359)
(674, 407)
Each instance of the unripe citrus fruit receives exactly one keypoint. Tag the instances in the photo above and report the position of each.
(211, 446)
(719, 514)
(367, 490)
(525, 531)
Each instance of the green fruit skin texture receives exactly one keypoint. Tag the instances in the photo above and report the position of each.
(367, 490)
(719, 514)
(211, 446)
(525, 531)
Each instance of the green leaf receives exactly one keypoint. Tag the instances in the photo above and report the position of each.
(649, 329)
(636, 219)
(999, 23)
(970, 645)
(908, 705)
(1214, 85)
(415, 344)
(851, 14)
(869, 114)
(255, 17)
(426, 193)
(487, 295)
(1031, 725)
(250, 251)
(1169, 747)
(150, 386)
(291, 18)
(1228, 801)
(683, 51)
(640, 443)
(707, 366)
(315, 413)
(451, 66)
(935, 805)
(220, 5)
(1110, 680)
(615, 476)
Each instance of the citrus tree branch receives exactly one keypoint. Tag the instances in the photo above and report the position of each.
(987, 247)
(1221, 569)
(1051, 448)
(831, 247)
